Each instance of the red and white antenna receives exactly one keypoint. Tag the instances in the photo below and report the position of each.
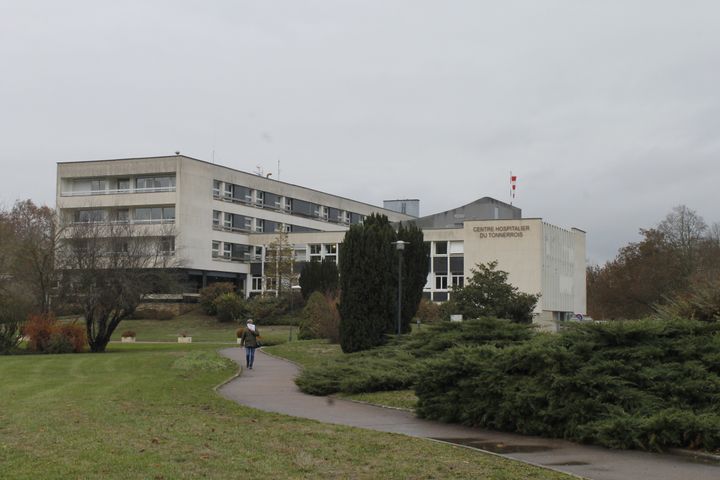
(513, 187)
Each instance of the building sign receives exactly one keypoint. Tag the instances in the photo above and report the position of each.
(502, 231)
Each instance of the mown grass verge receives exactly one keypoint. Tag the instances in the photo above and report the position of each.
(148, 411)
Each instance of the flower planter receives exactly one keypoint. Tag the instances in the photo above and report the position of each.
(127, 339)
(184, 339)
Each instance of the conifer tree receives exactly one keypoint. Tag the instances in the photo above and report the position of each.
(368, 282)
(416, 265)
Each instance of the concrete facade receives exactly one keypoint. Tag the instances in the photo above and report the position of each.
(224, 219)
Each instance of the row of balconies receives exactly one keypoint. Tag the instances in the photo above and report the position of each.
(284, 206)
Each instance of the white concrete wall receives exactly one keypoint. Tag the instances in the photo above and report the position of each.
(517, 252)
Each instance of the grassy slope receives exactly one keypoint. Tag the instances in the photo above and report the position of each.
(129, 414)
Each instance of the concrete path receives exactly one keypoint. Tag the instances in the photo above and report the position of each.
(270, 387)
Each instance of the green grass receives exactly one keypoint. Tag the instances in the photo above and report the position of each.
(149, 411)
(201, 327)
(308, 353)
(405, 399)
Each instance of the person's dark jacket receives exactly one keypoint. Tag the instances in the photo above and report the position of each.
(250, 338)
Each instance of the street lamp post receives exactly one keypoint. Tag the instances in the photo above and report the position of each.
(293, 290)
(400, 246)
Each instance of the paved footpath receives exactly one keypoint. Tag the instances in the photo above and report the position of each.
(270, 387)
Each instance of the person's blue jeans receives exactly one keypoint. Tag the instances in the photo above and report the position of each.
(249, 356)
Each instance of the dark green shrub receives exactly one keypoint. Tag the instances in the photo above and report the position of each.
(211, 292)
(12, 314)
(320, 319)
(643, 384)
(230, 307)
(488, 293)
(58, 343)
(397, 365)
(267, 309)
(369, 371)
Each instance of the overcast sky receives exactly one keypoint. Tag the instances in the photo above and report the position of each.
(608, 111)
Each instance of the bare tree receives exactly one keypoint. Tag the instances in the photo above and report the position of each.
(279, 269)
(106, 269)
(29, 240)
(684, 229)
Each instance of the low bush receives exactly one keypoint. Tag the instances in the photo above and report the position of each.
(701, 302)
(230, 307)
(266, 309)
(47, 335)
(211, 292)
(75, 334)
(428, 312)
(367, 371)
(12, 313)
(320, 318)
(398, 364)
(647, 384)
(128, 333)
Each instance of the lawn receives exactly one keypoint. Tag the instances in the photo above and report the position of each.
(201, 327)
(149, 411)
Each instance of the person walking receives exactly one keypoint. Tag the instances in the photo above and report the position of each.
(249, 339)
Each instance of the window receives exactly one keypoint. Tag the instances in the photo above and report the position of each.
(122, 215)
(167, 245)
(256, 283)
(215, 249)
(216, 188)
(151, 184)
(288, 203)
(457, 248)
(123, 184)
(227, 250)
(97, 185)
(458, 281)
(90, 216)
(321, 212)
(331, 248)
(120, 245)
(441, 248)
(441, 282)
(259, 197)
(155, 215)
(216, 218)
(227, 221)
(259, 225)
(315, 252)
(228, 192)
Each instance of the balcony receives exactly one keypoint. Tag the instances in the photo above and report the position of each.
(117, 191)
